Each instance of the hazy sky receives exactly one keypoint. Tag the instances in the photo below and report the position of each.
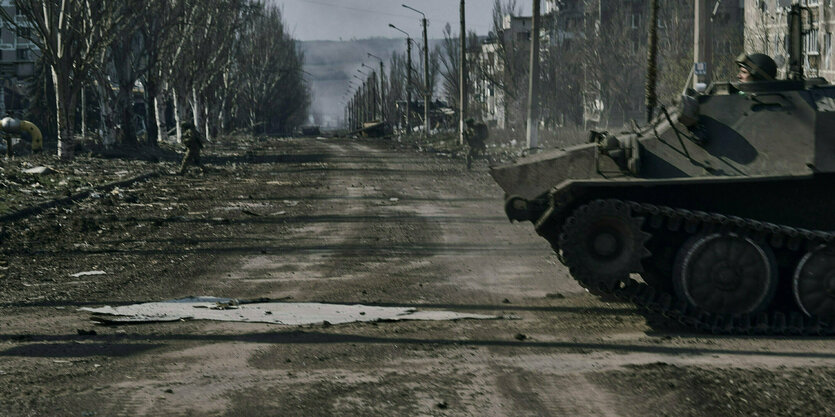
(346, 19)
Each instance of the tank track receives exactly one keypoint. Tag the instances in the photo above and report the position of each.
(665, 305)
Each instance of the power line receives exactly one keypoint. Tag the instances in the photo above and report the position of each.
(357, 9)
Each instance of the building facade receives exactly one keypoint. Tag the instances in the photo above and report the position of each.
(766, 29)
(596, 53)
(17, 61)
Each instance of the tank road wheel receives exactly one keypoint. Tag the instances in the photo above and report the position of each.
(725, 274)
(814, 283)
(602, 243)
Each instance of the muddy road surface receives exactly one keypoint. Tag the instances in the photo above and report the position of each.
(350, 222)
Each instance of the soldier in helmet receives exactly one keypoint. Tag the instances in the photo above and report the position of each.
(475, 134)
(193, 142)
(755, 67)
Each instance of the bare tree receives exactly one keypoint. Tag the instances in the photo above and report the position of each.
(506, 68)
(70, 35)
(450, 58)
(614, 60)
(268, 71)
(161, 30)
(396, 91)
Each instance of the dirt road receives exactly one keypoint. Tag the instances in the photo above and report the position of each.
(346, 221)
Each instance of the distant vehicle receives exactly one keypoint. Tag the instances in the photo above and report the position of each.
(311, 130)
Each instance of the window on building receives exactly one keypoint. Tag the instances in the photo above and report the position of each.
(811, 42)
(22, 54)
(827, 50)
(634, 20)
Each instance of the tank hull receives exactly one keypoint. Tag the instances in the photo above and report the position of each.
(724, 212)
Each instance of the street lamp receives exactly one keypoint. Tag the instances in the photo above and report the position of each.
(408, 76)
(426, 93)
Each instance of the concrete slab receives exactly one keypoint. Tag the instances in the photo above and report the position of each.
(283, 313)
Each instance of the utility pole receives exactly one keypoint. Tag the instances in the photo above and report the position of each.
(462, 80)
(409, 84)
(363, 106)
(427, 95)
(652, 54)
(374, 93)
(702, 42)
(357, 109)
(367, 98)
(408, 77)
(382, 88)
(382, 93)
(533, 82)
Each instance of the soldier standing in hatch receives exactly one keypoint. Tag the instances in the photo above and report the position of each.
(475, 134)
(755, 67)
(193, 143)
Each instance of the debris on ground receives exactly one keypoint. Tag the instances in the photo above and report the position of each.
(39, 170)
(87, 273)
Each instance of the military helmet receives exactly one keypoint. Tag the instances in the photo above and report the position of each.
(187, 125)
(761, 66)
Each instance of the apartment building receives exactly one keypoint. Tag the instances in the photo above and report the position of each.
(17, 61)
(766, 28)
(622, 26)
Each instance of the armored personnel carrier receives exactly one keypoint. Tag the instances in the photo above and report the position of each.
(719, 213)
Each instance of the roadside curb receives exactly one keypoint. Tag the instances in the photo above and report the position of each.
(38, 208)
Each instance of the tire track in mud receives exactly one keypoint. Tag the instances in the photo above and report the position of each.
(376, 190)
(533, 394)
(348, 220)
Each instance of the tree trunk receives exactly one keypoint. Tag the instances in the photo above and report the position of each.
(253, 121)
(196, 110)
(125, 103)
(206, 119)
(159, 111)
(63, 110)
(151, 128)
(83, 113)
(105, 117)
(177, 116)
(221, 118)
